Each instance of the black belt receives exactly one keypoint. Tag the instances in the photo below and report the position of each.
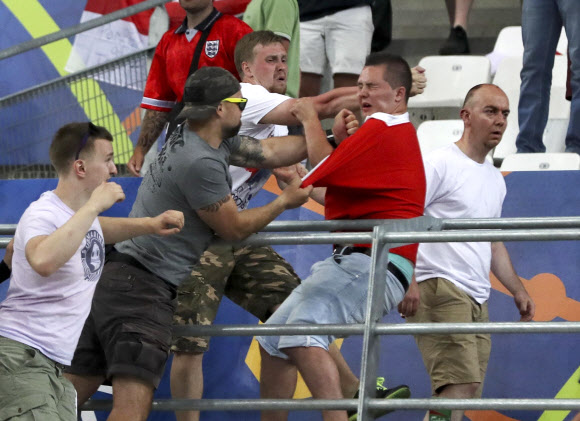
(391, 267)
(117, 256)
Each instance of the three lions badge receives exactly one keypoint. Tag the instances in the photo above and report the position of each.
(212, 48)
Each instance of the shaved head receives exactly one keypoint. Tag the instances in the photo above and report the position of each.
(472, 94)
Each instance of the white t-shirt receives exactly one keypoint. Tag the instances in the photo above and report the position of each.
(459, 187)
(48, 313)
(247, 182)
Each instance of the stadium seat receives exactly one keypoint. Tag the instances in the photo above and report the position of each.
(507, 77)
(449, 79)
(541, 162)
(438, 133)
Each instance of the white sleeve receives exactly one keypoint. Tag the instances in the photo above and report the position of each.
(434, 185)
(260, 103)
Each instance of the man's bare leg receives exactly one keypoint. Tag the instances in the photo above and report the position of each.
(349, 383)
(457, 391)
(320, 375)
(187, 381)
(86, 386)
(132, 399)
(277, 381)
(309, 84)
(342, 80)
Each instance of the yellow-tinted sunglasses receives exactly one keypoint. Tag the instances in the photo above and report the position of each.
(240, 102)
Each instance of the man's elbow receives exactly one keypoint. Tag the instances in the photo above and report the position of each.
(44, 268)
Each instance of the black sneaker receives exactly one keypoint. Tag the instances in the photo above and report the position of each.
(397, 392)
(456, 43)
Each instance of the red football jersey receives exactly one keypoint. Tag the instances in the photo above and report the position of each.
(377, 173)
(173, 55)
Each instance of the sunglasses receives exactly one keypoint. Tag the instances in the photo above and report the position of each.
(240, 102)
(92, 131)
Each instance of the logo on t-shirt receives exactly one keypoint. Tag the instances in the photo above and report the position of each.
(93, 255)
(212, 48)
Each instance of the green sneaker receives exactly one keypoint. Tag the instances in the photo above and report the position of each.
(397, 392)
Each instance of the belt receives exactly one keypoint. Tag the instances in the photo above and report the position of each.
(117, 256)
(340, 250)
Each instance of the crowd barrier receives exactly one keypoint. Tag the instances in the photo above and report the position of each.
(387, 235)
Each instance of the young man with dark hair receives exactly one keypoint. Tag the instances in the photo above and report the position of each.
(58, 258)
(376, 173)
(128, 333)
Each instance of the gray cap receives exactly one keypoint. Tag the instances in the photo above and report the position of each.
(204, 90)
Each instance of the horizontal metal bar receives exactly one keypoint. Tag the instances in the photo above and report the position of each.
(82, 27)
(381, 329)
(364, 224)
(555, 234)
(447, 224)
(319, 404)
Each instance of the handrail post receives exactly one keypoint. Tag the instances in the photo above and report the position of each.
(371, 341)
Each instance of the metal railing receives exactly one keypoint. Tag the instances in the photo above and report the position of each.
(387, 235)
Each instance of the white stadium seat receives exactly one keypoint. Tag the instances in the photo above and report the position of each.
(438, 133)
(541, 162)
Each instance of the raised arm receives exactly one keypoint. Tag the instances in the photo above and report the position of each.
(151, 128)
(120, 229)
(233, 225)
(318, 146)
(48, 253)
(502, 268)
(273, 152)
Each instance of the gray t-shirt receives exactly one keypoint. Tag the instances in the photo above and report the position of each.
(188, 174)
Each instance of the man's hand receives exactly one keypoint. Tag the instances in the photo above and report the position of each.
(168, 223)
(294, 196)
(9, 253)
(408, 307)
(303, 109)
(105, 196)
(285, 175)
(136, 161)
(419, 81)
(525, 305)
(345, 124)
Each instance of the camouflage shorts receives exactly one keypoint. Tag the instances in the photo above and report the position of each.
(255, 278)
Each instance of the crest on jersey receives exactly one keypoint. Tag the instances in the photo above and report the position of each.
(212, 48)
(93, 256)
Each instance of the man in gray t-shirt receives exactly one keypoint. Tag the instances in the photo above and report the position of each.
(127, 335)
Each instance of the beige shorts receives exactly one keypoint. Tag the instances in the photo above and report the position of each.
(451, 358)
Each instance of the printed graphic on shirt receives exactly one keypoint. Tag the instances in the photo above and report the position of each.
(212, 48)
(243, 193)
(93, 256)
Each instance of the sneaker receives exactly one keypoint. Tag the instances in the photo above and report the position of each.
(397, 392)
(456, 43)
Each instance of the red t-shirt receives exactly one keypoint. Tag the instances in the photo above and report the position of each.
(173, 55)
(377, 173)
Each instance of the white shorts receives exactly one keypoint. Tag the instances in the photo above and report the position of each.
(344, 37)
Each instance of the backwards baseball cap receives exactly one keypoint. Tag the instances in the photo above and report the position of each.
(204, 90)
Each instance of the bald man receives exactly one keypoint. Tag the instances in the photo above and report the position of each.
(452, 279)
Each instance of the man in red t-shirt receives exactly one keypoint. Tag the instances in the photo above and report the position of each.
(171, 63)
(377, 173)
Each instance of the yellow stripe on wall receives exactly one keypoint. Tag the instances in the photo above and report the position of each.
(88, 93)
(570, 390)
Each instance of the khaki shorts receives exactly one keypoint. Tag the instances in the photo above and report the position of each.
(451, 358)
(32, 386)
(255, 278)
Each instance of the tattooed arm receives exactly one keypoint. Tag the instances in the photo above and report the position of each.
(151, 128)
(273, 152)
(233, 225)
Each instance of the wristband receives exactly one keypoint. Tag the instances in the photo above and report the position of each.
(330, 139)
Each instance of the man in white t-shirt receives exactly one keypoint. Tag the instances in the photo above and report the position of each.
(59, 252)
(256, 278)
(453, 278)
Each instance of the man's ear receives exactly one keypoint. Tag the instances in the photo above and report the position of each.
(400, 93)
(79, 168)
(465, 115)
(246, 70)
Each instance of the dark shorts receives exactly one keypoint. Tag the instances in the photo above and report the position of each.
(255, 278)
(128, 331)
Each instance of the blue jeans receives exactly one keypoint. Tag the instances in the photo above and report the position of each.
(542, 22)
(335, 292)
